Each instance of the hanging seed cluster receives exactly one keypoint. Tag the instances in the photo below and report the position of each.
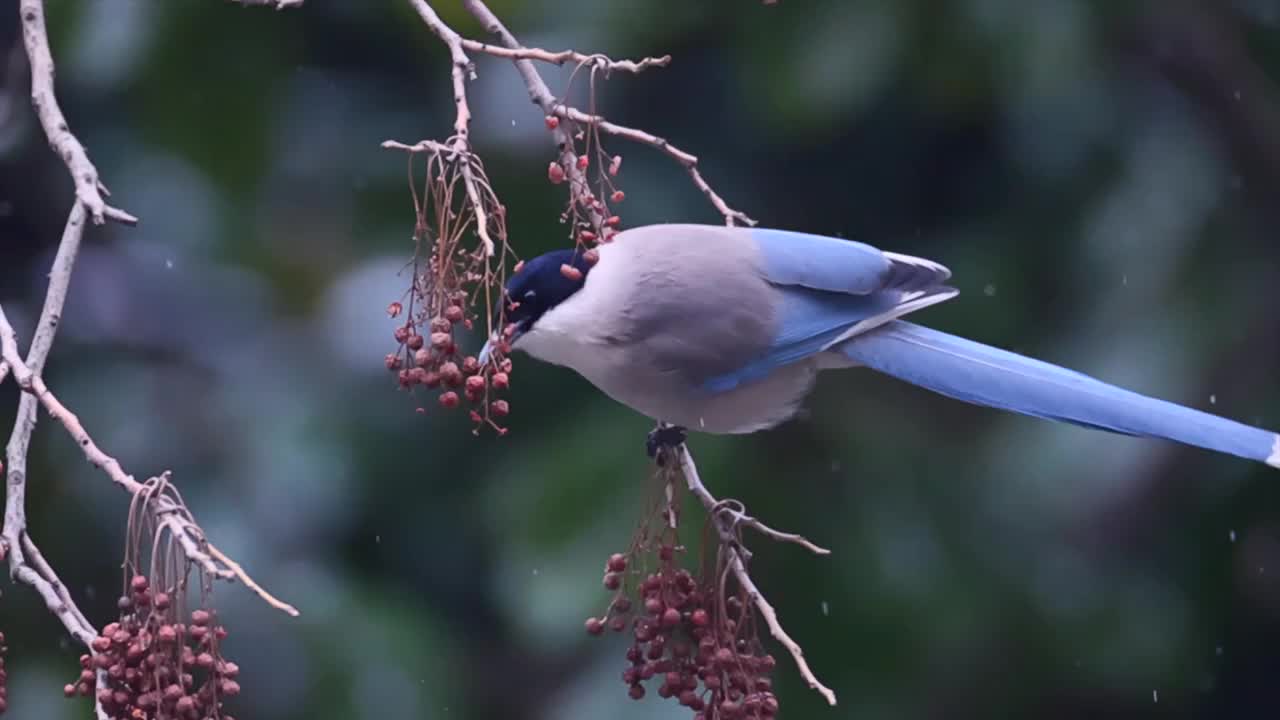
(691, 639)
(156, 667)
(456, 285)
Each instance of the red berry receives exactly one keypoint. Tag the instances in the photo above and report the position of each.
(555, 174)
(553, 122)
(591, 257)
(139, 583)
(449, 399)
(587, 236)
(594, 626)
(394, 309)
(636, 692)
(571, 272)
(671, 617)
(500, 380)
(450, 374)
(618, 196)
(583, 162)
(612, 581)
(700, 617)
(615, 165)
(613, 221)
(475, 384)
(453, 313)
(402, 333)
(617, 562)
(439, 340)
(499, 408)
(415, 342)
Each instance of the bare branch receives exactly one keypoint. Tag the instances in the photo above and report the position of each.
(89, 189)
(541, 95)
(687, 161)
(560, 58)
(461, 142)
(738, 565)
(176, 518)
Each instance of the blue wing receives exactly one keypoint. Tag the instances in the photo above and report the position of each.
(828, 290)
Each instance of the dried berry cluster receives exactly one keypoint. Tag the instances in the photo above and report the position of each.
(156, 667)
(695, 642)
(4, 677)
(457, 279)
(434, 362)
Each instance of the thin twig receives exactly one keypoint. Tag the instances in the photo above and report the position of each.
(89, 188)
(686, 160)
(603, 62)
(735, 560)
(243, 576)
(26, 562)
(175, 516)
(462, 69)
(541, 95)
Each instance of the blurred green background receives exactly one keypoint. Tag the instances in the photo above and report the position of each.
(1103, 178)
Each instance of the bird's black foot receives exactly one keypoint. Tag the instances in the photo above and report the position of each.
(666, 437)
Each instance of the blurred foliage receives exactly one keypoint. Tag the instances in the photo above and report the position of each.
(1101, 176)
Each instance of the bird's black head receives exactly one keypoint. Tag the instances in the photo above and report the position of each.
(541, 284)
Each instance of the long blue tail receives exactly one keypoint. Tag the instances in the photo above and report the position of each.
(985, 375)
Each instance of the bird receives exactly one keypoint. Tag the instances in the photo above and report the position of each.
(723, 330)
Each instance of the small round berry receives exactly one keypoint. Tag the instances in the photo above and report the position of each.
(594, 626)
(636, 692)
(552, 121)
(402, 333)
(653, 605)
(449, 400)
(394, 309)
(587, 236)
(583, 162)
(615, 165)
(591, 257)
(571, 272)
(69, 690)
(500, 381)
(724, 656)
(555, 174)
(613, 221)
(200, 617)
(139, 583)
(617, 562)
(415, 342)
(700, 618)
(671, 617)
(475, 384)
(439, 340)
(618, 196)
(612, 581)
(618, 624)
(499, 408)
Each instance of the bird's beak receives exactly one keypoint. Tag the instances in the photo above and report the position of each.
(487, 349)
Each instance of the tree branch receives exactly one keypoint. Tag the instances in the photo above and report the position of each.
(730, 545)
(89, 188)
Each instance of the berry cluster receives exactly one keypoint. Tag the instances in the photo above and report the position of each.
(697, 643)
(4, 677)
(156, 667)
(588, 213)
(434, 362)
